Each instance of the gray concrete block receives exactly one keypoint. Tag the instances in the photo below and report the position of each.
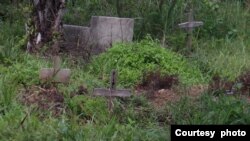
(109, 30)
(102, 33)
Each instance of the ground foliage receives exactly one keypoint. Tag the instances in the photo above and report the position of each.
(221, 49)
(134, 60)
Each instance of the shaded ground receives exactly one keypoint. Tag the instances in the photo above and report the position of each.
(161, 89)
(240, 85)
(44, 99)
(153, 81)
(157, 88)
(163, 96)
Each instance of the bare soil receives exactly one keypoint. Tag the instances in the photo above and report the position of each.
(164, 96)
(160, 89)
(44, 99)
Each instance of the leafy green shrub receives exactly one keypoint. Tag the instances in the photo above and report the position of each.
(222, 19)
(133, 60)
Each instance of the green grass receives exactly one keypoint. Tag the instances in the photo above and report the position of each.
(224, 52)
(226, 58)
(86, 117)
(211, 110)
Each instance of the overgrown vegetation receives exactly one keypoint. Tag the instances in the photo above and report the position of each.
(134, 60)
(221, 48)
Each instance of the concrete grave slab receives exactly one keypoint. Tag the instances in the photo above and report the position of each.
(76, 34)
(100, 35)
(108, 30)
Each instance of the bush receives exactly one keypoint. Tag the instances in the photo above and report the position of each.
(132, 61)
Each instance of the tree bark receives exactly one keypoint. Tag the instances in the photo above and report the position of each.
(45, 25)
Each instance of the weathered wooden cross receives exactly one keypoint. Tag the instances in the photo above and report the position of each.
(112, 91)
(55, 74)
(189, 27)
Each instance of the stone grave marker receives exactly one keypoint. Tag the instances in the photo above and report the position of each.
(55, 74)
(101, 33)
(106, 31)
(189, 27)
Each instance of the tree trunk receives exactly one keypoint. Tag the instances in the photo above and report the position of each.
(45, 26)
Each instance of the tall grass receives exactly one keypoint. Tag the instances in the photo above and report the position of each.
(227, 58)
(211, 110)
(225, 19)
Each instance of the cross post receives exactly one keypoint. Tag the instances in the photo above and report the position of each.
(112, 91)
(55, 74)
(189, 27)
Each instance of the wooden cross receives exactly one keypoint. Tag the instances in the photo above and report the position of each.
(112, 91)
(55, 74)
(189, 26)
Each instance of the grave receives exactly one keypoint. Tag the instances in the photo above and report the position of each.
(98, 37)
(55, 74)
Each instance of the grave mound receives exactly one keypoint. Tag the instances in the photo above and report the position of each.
(44, 99)
(133, 59)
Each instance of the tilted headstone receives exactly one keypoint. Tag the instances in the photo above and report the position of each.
(55, 74)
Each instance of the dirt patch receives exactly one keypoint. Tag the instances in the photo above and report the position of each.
(163, 96)
(160, 89)
(219, 85)
(44, 99)
(196, 90)
(240, 85)
(156, 81)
